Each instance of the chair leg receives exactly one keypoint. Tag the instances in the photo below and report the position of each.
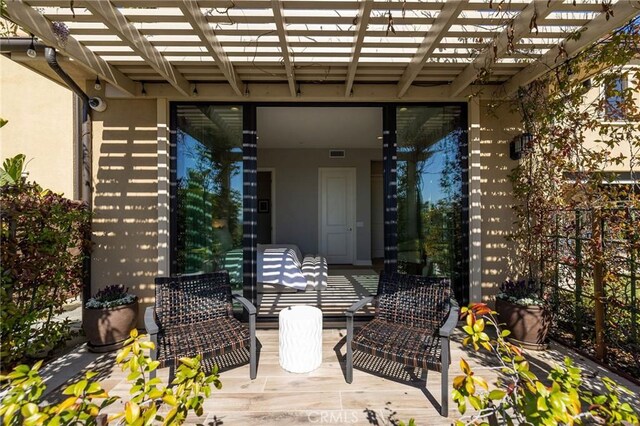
(444, 385)
(172, 374)
(349, 360)
(252, 347)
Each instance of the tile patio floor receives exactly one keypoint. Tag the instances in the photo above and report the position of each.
(277, 397)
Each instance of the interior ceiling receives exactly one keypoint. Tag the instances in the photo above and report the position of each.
(447, 43)
(319, 127)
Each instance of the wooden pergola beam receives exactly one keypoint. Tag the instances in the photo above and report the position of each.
(444, 20)
(364, 15)
(28, 18)
(198, 21)
(118, 23)
(276, 6)
(623, 11)
(488, 56)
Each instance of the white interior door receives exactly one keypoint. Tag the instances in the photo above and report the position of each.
(337, 214)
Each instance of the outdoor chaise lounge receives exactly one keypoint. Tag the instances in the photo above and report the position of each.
(283, 265)
(415, 317)
(193, 316)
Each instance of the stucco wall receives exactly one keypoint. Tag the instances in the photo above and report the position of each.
(498, 126)
(125, 225)
(297, 193)
(592, 138)
(40, 114)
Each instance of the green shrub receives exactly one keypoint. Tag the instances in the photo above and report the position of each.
(86, 399)
(521, 397)
(43, 241)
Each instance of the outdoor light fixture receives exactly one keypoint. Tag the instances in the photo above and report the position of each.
(520, 145)
(97, 85)
(195, 90)
(143, 92)
(31, 51)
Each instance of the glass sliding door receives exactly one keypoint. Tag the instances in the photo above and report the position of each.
(208, 191)
(431, 193)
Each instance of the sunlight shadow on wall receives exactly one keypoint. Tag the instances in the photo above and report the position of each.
(125, 225)
(499, 126)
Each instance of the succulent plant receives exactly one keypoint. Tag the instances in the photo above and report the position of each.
(522, 292)
(110, 297)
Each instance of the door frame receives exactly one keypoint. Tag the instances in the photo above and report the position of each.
(272, 170)
(354, 205)
(169, 251)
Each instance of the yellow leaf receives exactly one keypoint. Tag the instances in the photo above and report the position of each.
(131, 411)
(170, 399)
(465, 366)
(470, 387)
(134, 333)
(123, 354)
(66, 404)
(458, 382)
(481, 382)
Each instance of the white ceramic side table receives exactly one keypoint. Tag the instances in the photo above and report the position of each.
(300, 338)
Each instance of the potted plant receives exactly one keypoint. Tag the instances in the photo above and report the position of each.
(109, 317)
(524, 312)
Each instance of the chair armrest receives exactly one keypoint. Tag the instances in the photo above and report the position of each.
(245, 304)
(452, 319)
(358, 305)
(150, 320)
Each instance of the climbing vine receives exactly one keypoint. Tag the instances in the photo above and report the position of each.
(575, 229)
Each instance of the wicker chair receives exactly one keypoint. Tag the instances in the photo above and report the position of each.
(193, 316)
(414, 319)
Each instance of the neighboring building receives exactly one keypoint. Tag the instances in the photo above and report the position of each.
(203, 151)
(40, 116)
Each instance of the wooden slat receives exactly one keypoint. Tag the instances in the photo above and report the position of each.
(488, 56)
(623, 12)
(364, 14)
(117, 22)
(28, 18)
(443, 22)
(284, 45)
(198, 21)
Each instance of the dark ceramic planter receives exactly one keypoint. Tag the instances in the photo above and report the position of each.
(107, 328)
(529, 325)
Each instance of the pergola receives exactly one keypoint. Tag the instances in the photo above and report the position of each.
(285, 48)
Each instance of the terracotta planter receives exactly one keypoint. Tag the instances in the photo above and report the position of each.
(529, 325)
(107, 328)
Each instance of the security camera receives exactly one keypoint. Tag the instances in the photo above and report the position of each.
(97, 104)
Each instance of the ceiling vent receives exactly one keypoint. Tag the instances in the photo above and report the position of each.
(336, 153)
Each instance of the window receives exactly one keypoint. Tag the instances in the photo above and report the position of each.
(209, 190)
(432, 240)
(614, 98)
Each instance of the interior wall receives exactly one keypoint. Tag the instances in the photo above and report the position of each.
(297, 210)
(125, 173)
(498, 126)
(40, 115)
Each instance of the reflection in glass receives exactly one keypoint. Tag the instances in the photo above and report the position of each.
(431, 240)
(209, 190)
